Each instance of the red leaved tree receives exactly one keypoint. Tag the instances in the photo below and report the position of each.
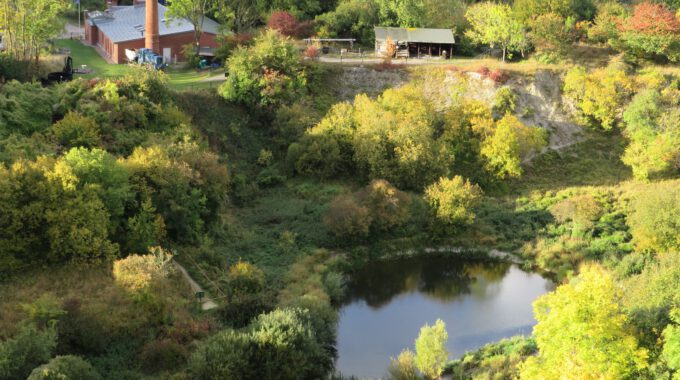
(284, 22)
(652, 19)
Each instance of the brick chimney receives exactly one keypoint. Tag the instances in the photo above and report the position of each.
(151, 35)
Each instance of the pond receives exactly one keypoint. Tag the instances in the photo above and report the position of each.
(389, 301)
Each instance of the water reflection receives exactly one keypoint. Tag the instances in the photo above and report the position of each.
(388, 302)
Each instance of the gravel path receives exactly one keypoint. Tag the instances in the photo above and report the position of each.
(207, 302)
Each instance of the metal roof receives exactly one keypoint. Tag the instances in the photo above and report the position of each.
(126, 23)
(424, 35)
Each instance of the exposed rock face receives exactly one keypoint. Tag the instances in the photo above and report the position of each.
(539, 97)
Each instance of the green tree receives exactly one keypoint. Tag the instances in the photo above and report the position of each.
(28, 349)
(404, 13)
(583, 331)
(655, 218)
(453, 200)
(67, 367)
(193, 10)
(228, 354)
(268, 73)
(351, 19)
(551, 33)
(650, 124)
(671, 346)
(493, 24)
(245, 286)
(431, 352)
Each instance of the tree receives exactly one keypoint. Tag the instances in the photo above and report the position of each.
(390, 50)
(245, 285)
(494, 24)
(244, 14)
(404, 13)
(605, 24)
(283, 22)
(526, 10)
(445, 14)
(266, 74)
(431, 352)
(552, 33)
(583, 331)
(351, 18)
(27, 25)
(67, 367)
(228, 354)
(509, 145)
(653, 30)
(193, 10)
(654, 134)
(453, 200)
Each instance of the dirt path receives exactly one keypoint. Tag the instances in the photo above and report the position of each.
(206, 302)
(72, 31)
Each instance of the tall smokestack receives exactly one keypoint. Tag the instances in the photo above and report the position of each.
(151, 35)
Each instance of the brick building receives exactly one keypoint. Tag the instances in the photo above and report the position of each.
(125, 27)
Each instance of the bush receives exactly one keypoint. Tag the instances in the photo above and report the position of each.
(346, 218)
(505, 101)
(245, 294)
(25, 108)
(655, 218)
(28, 349)
(226, 355)
(137, 273)
(453, 200)
(403, 367)
(267, 74)
(65, 368)
(75, 130)
(599, 95)
(163, 355)
(388, 206)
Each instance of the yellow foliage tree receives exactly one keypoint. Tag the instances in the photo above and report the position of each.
(582, 332)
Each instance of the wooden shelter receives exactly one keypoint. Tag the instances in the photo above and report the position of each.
(415, 42)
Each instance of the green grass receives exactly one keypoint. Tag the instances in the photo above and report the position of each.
(179, 79)
(596, 161)
(86, 55)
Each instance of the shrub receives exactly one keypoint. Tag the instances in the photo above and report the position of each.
(137, 273)
(387, 205)
(67, 367)
(163, 355)
(311, 52)
(28, 349)
(604, 28)
(431, 352)
(505, 101)
(599, 95)
(268, 73)
(245, 292)
(226, 355)
(498, 76)
(655, 218)
(403, 367)
(25, 108)
(346, 218)
(76, 130)
(509, 145)
(453, 200)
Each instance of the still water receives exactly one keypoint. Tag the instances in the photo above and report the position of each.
(389, 301)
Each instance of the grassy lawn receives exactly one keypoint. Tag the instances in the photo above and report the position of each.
(179, 79)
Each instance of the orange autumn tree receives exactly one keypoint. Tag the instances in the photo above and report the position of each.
(652, 31)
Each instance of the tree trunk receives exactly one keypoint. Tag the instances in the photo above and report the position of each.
(504, 48)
